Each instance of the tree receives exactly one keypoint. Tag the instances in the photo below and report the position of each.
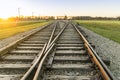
(118, 18)
(65, 17)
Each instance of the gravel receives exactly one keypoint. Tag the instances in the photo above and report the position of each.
(105, 48)
(71, 72)
(62, 24)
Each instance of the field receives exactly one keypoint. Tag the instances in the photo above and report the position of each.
(108, 29)
(8, 29)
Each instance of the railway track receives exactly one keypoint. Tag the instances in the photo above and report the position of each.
(72, 58)
(17, 60)
(54, 53)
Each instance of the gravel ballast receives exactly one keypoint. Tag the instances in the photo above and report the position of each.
(105, 48)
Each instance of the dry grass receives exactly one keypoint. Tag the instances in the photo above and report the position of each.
(8, 29)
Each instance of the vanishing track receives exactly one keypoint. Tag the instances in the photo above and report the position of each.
(15, 63)
(54, 53)
(71, 61)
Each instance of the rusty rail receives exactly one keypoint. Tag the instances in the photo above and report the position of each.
(49, 48)
(35, 63)
(36, 77)
(106, 73)
(42, 56)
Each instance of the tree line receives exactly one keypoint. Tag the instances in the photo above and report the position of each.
(94, 18)
(27, 18)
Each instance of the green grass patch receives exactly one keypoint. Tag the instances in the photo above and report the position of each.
(8, 29)
(108, 29)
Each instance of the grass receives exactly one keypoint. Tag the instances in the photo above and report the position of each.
(108, 29)
(8, 29)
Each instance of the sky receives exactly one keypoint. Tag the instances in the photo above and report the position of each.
(104, 8)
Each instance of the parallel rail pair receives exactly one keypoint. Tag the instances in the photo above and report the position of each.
(56, 47)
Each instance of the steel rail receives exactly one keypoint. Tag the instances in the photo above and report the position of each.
(39, 57)
(42, 54)
(106, 73)
(36, 77)
(59, 34)
(51, 37)
(13, 45)
(41, 63)
(104, 66)
(55, 39)
(35, 63)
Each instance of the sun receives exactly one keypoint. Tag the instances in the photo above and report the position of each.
(4, 18)
(5, 15)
